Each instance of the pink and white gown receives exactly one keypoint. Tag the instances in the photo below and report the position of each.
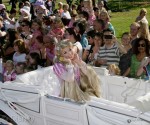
(77, 82)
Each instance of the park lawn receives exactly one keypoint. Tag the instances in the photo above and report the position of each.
(120, 20)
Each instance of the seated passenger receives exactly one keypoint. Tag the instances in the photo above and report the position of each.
(77, 80)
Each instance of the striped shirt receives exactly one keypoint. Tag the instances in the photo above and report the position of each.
(112, 55)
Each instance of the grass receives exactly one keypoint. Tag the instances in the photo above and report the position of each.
(120, 20)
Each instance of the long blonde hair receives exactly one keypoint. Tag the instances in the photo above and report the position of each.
(58, 49)
(144, 30)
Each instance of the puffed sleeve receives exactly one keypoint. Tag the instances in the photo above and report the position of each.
(64, 72)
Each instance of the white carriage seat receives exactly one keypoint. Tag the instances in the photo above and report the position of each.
(44, 77)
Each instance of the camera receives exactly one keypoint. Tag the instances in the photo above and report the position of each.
(108, 36)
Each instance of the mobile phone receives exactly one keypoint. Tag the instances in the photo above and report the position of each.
(108, 36)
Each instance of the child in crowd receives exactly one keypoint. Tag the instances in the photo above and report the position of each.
(9, 73)
(60, 8)
(100, 5)
(37, 31)
(20, 51)
(57, 30)
(65, 16)
(113, 69)
(25, 14)
(20, 67)
(78, 81)
(34, 61)
(88, 7)
(49, 43)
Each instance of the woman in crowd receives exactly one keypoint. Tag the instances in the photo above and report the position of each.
(144, 31)
(8, 50)
(80, 29)
(141, 51)
(125, 59)
(89, 49)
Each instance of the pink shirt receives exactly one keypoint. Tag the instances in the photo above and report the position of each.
(34, 45)
(9, 76)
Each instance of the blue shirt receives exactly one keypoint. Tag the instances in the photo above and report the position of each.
(84, 41)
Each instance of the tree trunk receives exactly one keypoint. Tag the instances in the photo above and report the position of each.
(1, 1)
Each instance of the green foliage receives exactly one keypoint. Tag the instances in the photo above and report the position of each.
(125, 5)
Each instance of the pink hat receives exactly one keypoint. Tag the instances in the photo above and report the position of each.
(25, 9)
(2, 6)
(40, 3)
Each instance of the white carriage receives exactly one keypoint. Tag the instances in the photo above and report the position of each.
(32, 100)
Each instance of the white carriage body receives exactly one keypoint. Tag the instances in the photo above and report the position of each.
(36, 102)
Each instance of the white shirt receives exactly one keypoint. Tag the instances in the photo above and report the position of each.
(19, 58)
(66, 15)
(79, 46)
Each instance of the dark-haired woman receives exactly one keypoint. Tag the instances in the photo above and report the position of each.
(72, 37)
(8, 49)
(80, 31)
(141, 51)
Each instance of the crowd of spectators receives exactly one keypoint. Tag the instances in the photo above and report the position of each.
(29, 34)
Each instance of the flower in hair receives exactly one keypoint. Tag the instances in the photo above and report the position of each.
(61, 59)
(57, 48)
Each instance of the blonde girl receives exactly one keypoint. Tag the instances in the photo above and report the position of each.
(57, 29)
(20, 51)
(106, 18)
(9, 73)
(142, 16)
(88, 7)
(78, 82)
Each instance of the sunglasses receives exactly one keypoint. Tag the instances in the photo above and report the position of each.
(23, 25)
(141, 45)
